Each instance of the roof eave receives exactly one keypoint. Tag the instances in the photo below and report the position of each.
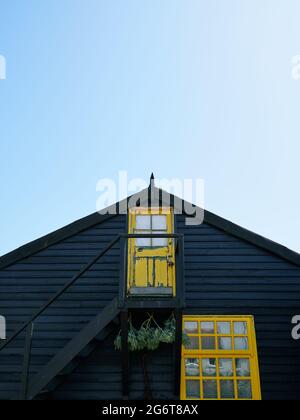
(96, 218)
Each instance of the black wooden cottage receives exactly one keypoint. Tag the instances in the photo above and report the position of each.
(66, 296)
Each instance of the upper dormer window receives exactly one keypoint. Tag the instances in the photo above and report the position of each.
(151, 260)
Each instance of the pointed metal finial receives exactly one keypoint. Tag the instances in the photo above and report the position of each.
(152, 180)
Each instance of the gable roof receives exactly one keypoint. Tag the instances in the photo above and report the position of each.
(96, 218)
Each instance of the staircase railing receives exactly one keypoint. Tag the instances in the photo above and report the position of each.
(59, 293)
(123, 238)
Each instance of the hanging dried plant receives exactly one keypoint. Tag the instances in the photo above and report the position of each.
(150, 335)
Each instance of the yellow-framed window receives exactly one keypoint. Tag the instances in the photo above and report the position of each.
(151, 261)
(220, 362)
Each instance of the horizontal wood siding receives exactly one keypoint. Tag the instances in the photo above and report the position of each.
(224, 275)
(227, 276)
(27, 285)
(100, 376)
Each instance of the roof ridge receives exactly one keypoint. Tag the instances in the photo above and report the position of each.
(91, 220)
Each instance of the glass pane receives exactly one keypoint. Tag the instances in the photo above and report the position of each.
(159, 222)
(240, 328)
(207, 327)
(209, 367)
(241, 343)
(159, 241)
(193, 343)
(227, 389)
(192, 389)
(142, 242)
(191, 327)
(244, 389)
(192, 367)
(242, 367)
(208, 343)
(143, 222)
(210, 389)
(226, 367)
(223, 327)
(224, 343)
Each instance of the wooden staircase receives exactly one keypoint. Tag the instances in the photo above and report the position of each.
(68, 358)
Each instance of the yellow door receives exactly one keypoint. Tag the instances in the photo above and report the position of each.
(151, 261)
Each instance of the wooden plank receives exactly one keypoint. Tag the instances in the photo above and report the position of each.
(123, 272)
(177, 353)
(125, 354)
(151, 291)
(180, 274)
(166, 303)
(26, 361)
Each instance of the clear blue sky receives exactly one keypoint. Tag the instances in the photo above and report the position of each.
(184, 88)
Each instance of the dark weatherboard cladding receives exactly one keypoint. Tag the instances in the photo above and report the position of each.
(228, 276)
(224, 275)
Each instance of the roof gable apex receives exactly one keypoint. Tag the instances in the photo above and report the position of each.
(142, 198)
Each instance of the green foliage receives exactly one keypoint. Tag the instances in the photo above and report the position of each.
(150, 335)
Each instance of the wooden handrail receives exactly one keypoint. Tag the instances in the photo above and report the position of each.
(60, 292)
(81, 272)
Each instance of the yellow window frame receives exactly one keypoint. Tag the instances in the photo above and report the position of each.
(159, 251)
(202, 354)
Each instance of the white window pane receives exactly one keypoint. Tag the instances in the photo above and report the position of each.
(241, 343)
(159, 222)
(224, 343)
(240, 328)
(142, 242)
(159, 241)
(192, 367)
(209, 367)
(191, 327)
(242, 367)
(143, 222)
(226, 367)
(207, 327)
(224, 328)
